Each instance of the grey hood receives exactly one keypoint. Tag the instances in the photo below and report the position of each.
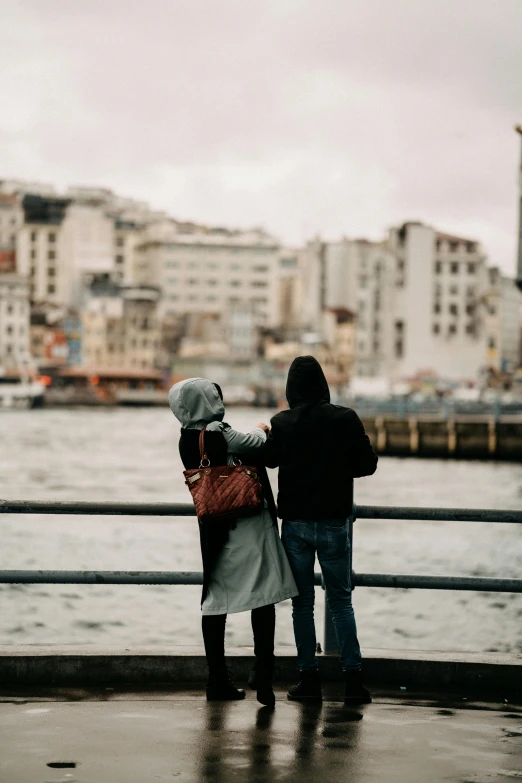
(196, 402)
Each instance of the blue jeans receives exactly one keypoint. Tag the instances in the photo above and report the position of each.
(329, 538)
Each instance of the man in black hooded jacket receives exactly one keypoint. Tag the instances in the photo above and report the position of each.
(319, 448)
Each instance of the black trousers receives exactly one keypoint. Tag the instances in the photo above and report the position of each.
(263, 627)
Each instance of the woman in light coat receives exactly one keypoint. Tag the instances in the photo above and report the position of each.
(245, 567)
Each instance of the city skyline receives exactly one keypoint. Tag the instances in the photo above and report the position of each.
(302, 117)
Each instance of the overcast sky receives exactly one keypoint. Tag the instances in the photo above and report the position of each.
(337, 117)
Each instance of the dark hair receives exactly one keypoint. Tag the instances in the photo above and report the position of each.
(218, 388)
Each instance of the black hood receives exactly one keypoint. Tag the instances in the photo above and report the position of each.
(306, 382)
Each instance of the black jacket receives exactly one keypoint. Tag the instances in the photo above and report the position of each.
(318, 447)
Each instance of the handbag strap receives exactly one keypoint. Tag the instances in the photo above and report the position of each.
(202, 452)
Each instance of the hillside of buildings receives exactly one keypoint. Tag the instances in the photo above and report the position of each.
(101, 293)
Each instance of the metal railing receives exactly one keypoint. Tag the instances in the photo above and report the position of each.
(430, 582)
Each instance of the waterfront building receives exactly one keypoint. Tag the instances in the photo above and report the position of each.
(88, 244)
(40, 252)
(120, 327)
(55, 336)
(355, 275)
(418, 297)
(503, 303)
(14, 322)
(48, 341)
(209, 270)
(61, 241)
(438, 309)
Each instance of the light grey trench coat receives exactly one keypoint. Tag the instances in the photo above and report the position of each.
(252, 570)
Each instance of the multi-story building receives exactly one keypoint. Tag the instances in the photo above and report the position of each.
(503, 302)
(438, 313)
(418, 299)
(55, 335)
(14, 322)
(88, 245)
(372, 302)
(59, 243)
(353, 275)
(40, 251)
(120, 327)
(209, 269)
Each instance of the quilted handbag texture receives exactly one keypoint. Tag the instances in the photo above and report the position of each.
(224, 492)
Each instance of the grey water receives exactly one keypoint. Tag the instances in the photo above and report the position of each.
(131, 455)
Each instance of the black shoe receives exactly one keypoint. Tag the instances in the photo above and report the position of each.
(261, 681)
(265, 694)
(221, 688)
(308, 688)
(354, 690)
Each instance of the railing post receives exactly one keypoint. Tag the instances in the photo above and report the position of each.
(330, 641)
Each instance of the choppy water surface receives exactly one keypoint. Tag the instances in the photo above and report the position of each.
(127, 454)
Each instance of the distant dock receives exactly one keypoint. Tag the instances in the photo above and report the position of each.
(460, 437)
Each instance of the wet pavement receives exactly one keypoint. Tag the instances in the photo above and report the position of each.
(111, 735)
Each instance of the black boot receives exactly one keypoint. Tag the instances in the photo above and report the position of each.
(261, 675)
(308, 688)
(354, 690)
(221, 688)
(264, 673)
(261, 682)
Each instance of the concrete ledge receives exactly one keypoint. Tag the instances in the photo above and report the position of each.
(95, 665)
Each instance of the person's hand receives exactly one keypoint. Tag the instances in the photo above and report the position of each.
(263, 426)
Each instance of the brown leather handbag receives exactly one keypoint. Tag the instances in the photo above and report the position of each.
(223, 493)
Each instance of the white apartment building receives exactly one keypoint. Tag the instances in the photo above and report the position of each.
(503, 303)
(419, 301)
(354, 275)
(40, 254)
(59, 244)
(14, 322)
(209, 270)
(88, 246)
(438, 312)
